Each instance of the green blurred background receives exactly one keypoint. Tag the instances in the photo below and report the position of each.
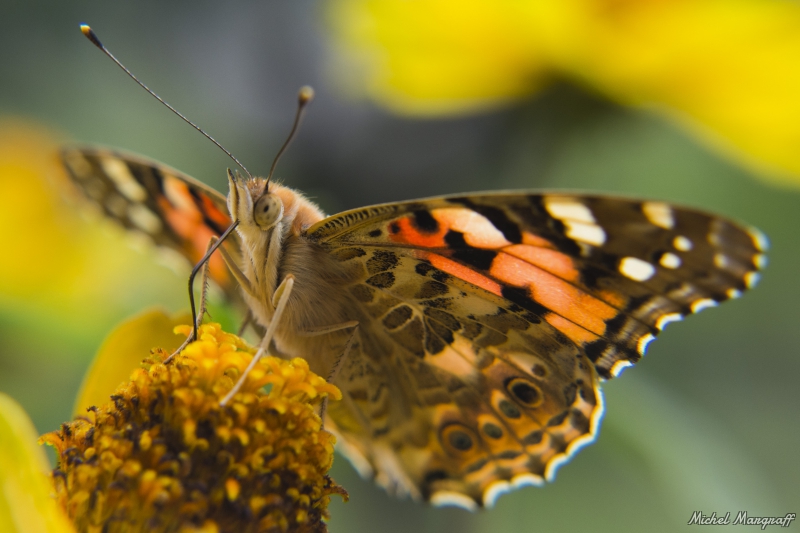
(708, 421)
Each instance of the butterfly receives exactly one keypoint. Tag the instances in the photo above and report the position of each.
(475, 328)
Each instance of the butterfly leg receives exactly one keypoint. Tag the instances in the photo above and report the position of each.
(246, 322)
(203, 303)
(237, 273)
(336, 366)
(279, 300)
(342, 357)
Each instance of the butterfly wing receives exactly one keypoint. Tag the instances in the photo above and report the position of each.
(177, 213)
(503, 313)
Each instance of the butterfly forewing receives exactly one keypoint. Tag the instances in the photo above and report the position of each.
(608, 273)
(173, 210)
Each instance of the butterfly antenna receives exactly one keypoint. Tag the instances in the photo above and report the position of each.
(87, 31)
(304, 97)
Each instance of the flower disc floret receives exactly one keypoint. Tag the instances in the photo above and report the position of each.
(164, 455)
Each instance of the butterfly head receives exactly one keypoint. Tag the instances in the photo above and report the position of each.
(254, 203)
(261, 206)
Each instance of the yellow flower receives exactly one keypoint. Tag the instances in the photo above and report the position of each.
(25, 502)
(163, 455)
(729, 70)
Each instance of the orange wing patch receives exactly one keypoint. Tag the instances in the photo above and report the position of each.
(547, 259)
(547, 274)
(186, 220)
(554, 293)
(576, 333)
(404, 231)
(460, 271)
(535, 240)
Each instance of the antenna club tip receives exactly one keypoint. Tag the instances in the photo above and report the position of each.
(305, 95)
(87, 31)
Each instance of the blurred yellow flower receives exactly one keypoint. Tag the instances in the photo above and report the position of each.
(729, 70)
(56, 260)
(25, 502)
(163, 455)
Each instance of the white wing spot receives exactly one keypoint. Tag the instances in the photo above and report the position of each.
(145, 219)
(619, 367)
(118, 171)
(527, 480)
(636, 269)
(703, 303)
(644, 342)
(659, 214)
(682, 243)
(176, 192)
(578, 219)
(494, 491)
(567, 209)
(760, 261)
(588, 233)
(759, 239)
(733, 293)
(751, 279)
(477, 229)
(664, 320)
(670, 260)
(444, 498)
(721, 260)
(553, 466)
(597, 415)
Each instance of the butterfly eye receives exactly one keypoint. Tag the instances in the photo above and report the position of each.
(267, 211)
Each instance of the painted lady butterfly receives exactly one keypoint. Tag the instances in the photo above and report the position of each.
(478, 326)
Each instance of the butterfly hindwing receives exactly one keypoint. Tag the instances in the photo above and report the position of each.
(471, 390)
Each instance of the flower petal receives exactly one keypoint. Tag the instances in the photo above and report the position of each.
(727, 70)
(122, 353)
(439, 56)
(26, 505)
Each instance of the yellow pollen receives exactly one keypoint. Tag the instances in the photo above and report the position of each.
(163, 455)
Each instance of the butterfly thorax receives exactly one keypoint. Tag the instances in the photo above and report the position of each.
(272, 222)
